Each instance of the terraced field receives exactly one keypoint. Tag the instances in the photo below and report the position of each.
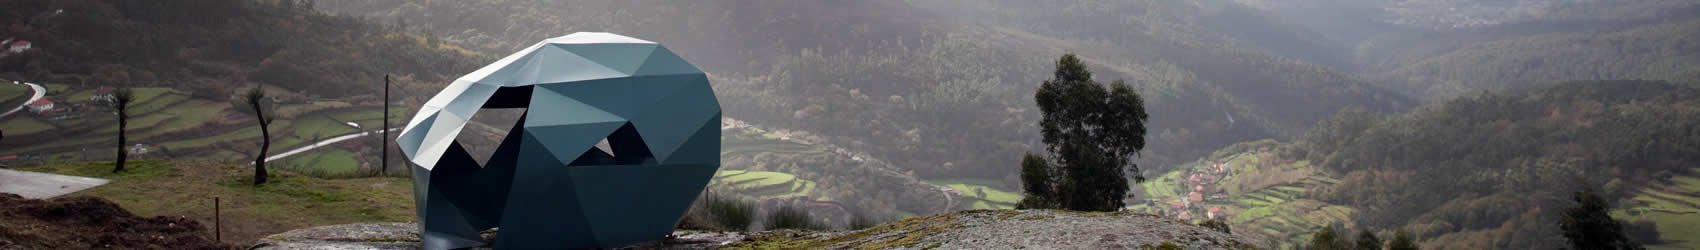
(762, 183)
(159, 112)
(1262, 198)
(1673, 206)
(23, 124)
(1281, 213)
(981, 194)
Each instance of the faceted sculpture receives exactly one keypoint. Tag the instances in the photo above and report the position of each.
(550, 184)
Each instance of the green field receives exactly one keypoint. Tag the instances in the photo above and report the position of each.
(762, 183)
(288, 201)
(12, 95)
(1673, 207)
(323, 162)
(972, 188)
(23, 124)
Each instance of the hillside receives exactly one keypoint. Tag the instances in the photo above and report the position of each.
(1666, 51)
(225, 45)
(1437, 50)
(324, 73)
(1495, 166)
(944, 94)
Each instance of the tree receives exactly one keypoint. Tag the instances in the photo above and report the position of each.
(1402, 241)
(1368, 241)
(1328, 239)
(122, 99)
(1037, 183)
(1092, 133)
(255, 96)
(1588, 226)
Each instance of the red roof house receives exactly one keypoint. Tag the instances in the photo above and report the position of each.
(18, 46)
(39, 106)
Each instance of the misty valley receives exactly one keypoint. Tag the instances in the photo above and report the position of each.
(882, 124)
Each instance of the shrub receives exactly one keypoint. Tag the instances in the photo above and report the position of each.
(716, 212)
(861, 220)
(788, 217)
(1218, 225)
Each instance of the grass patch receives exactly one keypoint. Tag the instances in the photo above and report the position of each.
(320, 127)
(328, 162)
(289, 201)
(12, 95)
(251, 132)
(21, 124)
(974, 188)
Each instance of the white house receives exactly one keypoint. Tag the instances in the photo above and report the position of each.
(103, 94)
(19, 46)
(40, 106)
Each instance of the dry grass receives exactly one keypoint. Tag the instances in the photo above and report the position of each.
(288, 201)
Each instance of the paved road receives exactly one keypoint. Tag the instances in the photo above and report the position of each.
(34, 185)
(39, 93)
(326, 142)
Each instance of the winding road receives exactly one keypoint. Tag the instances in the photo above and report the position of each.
(322, 143)
(39, 93)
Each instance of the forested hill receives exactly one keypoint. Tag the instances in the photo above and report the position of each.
(1441, 49)
(213, 47)
(1497, 169)
(944, 93)
(725, 37)
(1660, 51)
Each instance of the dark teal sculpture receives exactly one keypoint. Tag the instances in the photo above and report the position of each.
(549, 185)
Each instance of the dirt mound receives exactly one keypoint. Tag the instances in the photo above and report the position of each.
(88, 222)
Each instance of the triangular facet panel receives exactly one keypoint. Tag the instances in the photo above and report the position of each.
(622, 57)
(570, 141)
(703, 146)
(608, 95)
(664, 62)
(560, 66)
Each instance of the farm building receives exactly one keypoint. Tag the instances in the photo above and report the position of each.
(41, 106)
(103, 94)
(18, 46)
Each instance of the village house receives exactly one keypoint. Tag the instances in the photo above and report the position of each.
(103, 94)
(41, 106)
(18, 47)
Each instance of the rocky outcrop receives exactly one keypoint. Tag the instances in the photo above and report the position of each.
(976, 229)
(405, 236)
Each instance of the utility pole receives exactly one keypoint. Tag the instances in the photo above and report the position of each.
(384, 166)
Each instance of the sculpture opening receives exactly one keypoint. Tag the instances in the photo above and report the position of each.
(615, 138)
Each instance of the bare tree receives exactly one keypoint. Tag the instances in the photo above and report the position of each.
(122, 98)
(255, 96)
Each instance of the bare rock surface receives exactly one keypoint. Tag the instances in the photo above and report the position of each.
(1013, 229)
(405, 236)
(976, 229)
